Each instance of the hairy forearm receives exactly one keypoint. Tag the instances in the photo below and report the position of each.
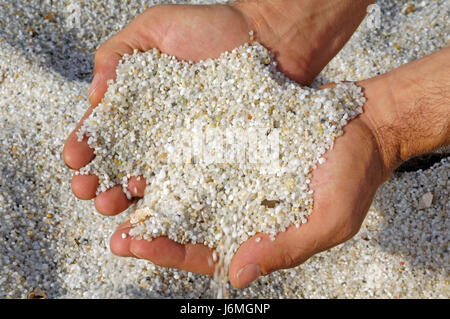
(409, 108)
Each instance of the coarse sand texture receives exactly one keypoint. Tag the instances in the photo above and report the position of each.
(155, 120)
(54, 245)
(158, 108)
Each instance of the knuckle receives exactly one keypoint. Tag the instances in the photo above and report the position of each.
(100, 53)
(288, 260)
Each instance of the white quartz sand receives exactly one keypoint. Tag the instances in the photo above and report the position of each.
(53, 241)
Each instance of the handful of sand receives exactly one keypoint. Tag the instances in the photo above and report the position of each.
(227, 146)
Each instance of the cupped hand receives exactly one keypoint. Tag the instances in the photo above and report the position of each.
(344, 185)
(394, 127)
(187, 32)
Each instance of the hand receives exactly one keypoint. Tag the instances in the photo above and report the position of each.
(406, 114)
(304, 36)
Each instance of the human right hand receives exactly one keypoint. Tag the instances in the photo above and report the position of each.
(407, 113)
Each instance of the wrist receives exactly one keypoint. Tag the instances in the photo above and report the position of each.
(408, 109)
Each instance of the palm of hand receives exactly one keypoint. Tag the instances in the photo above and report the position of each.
(344, 186)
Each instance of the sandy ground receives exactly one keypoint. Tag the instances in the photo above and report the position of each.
(51, 240)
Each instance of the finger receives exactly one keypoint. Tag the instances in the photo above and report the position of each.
(136, 186)
(327, 86)
(112, 202)
(289, 249)
(106, 60)
(331, 85)
(163, 252)
(332, 221)
(104, 70)
(119, 242)
(77, 154)
(84, 186)
(254, 258)
(166, 253)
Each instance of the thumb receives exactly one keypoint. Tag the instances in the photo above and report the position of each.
(107, 58)
(257, 257)
(133, 36)
(262, 256)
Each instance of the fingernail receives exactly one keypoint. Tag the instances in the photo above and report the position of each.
(94, 84)
(248, 274)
